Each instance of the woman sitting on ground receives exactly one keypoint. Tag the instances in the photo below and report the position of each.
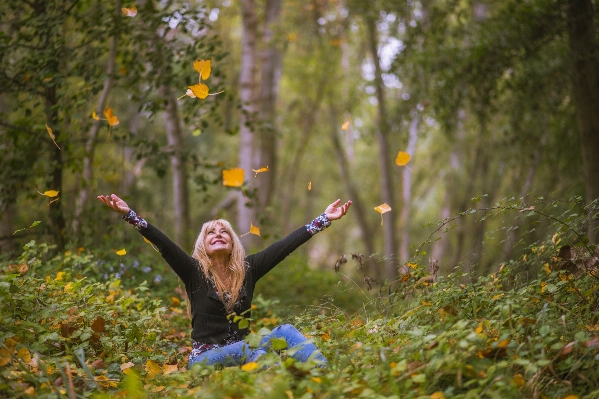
(220, 280)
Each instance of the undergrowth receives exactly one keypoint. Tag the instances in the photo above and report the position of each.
(511, 334)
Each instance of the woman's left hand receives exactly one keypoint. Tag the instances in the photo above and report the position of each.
(335, 212)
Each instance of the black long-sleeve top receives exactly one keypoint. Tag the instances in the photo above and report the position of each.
(209, 321)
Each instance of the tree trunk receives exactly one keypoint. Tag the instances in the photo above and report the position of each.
(247, 95)
(87, 174)
(269, 87)
(585, 87)
(180, 185)
(407, 190)
(385, 161)
(353, 193)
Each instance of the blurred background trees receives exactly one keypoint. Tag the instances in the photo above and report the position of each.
(492, 99)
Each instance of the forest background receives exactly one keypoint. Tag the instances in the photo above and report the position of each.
(496, 102)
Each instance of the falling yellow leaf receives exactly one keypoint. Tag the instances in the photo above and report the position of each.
(130, 12)
(310, 186)
(346, 124)
(112, 120)
(233, 177)
(153, 369)
(249, 366)
(52, 136)
(203, 68)
(383, 208)
(50, 193)
(121, 252)
(254, 229)
(24, 355)
(95, 116)
(402, 158)
(103, 381)
(437, 395)
(263, 169)
(200, 90)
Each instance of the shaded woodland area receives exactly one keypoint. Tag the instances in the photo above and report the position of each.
(480, 282)
(492, 99)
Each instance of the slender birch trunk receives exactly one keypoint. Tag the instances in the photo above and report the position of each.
(87, 174)
(407, 190)
(385, 161)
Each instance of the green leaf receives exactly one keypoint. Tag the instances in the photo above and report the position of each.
(278, 343)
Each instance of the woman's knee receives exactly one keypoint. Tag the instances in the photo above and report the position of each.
(285, 329)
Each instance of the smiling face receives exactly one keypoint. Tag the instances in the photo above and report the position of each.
(217, 241)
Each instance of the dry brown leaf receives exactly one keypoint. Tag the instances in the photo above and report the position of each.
(130, 12)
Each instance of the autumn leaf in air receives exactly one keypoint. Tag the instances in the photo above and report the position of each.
(253, 230)
(95, 116)
(383, 208)
(345, 125)
(402, 158)
(130, 12)
(52, 136)
(263, 169)
(203, 68)
(233, 177)
(121, 252)
(112, 119)
(50, 193)
(309, 185)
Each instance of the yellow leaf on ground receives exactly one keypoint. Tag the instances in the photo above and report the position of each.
(5, 357)
(102, 380)
(110, 298)
(309, 185)
(153, 369)
(112, 119)
(95, 116)
(130, 12)
(402, 158)
(262, 169)
(437, 395)
(121, 252)
(50, 193)
(572, 397)
(158, 389)
(345, 124)
(317, 380)
(249, 366)
(10, 343)
(203, 68)
(200, 90)
(169, 368)
(546, 268)
(503, 343)
(59, 276)
(233, 177)
(24, 355)
(411, 265)
(518, 380)
(479, 329)
(30, 391)
(496, 297)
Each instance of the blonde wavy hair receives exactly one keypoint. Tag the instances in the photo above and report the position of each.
(236, 270)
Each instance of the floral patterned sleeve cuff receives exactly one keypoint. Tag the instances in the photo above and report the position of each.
(318, 224)
(136, 220)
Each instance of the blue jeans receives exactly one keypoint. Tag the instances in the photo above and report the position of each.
(241, 353)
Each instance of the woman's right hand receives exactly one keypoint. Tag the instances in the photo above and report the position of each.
(115, 203)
